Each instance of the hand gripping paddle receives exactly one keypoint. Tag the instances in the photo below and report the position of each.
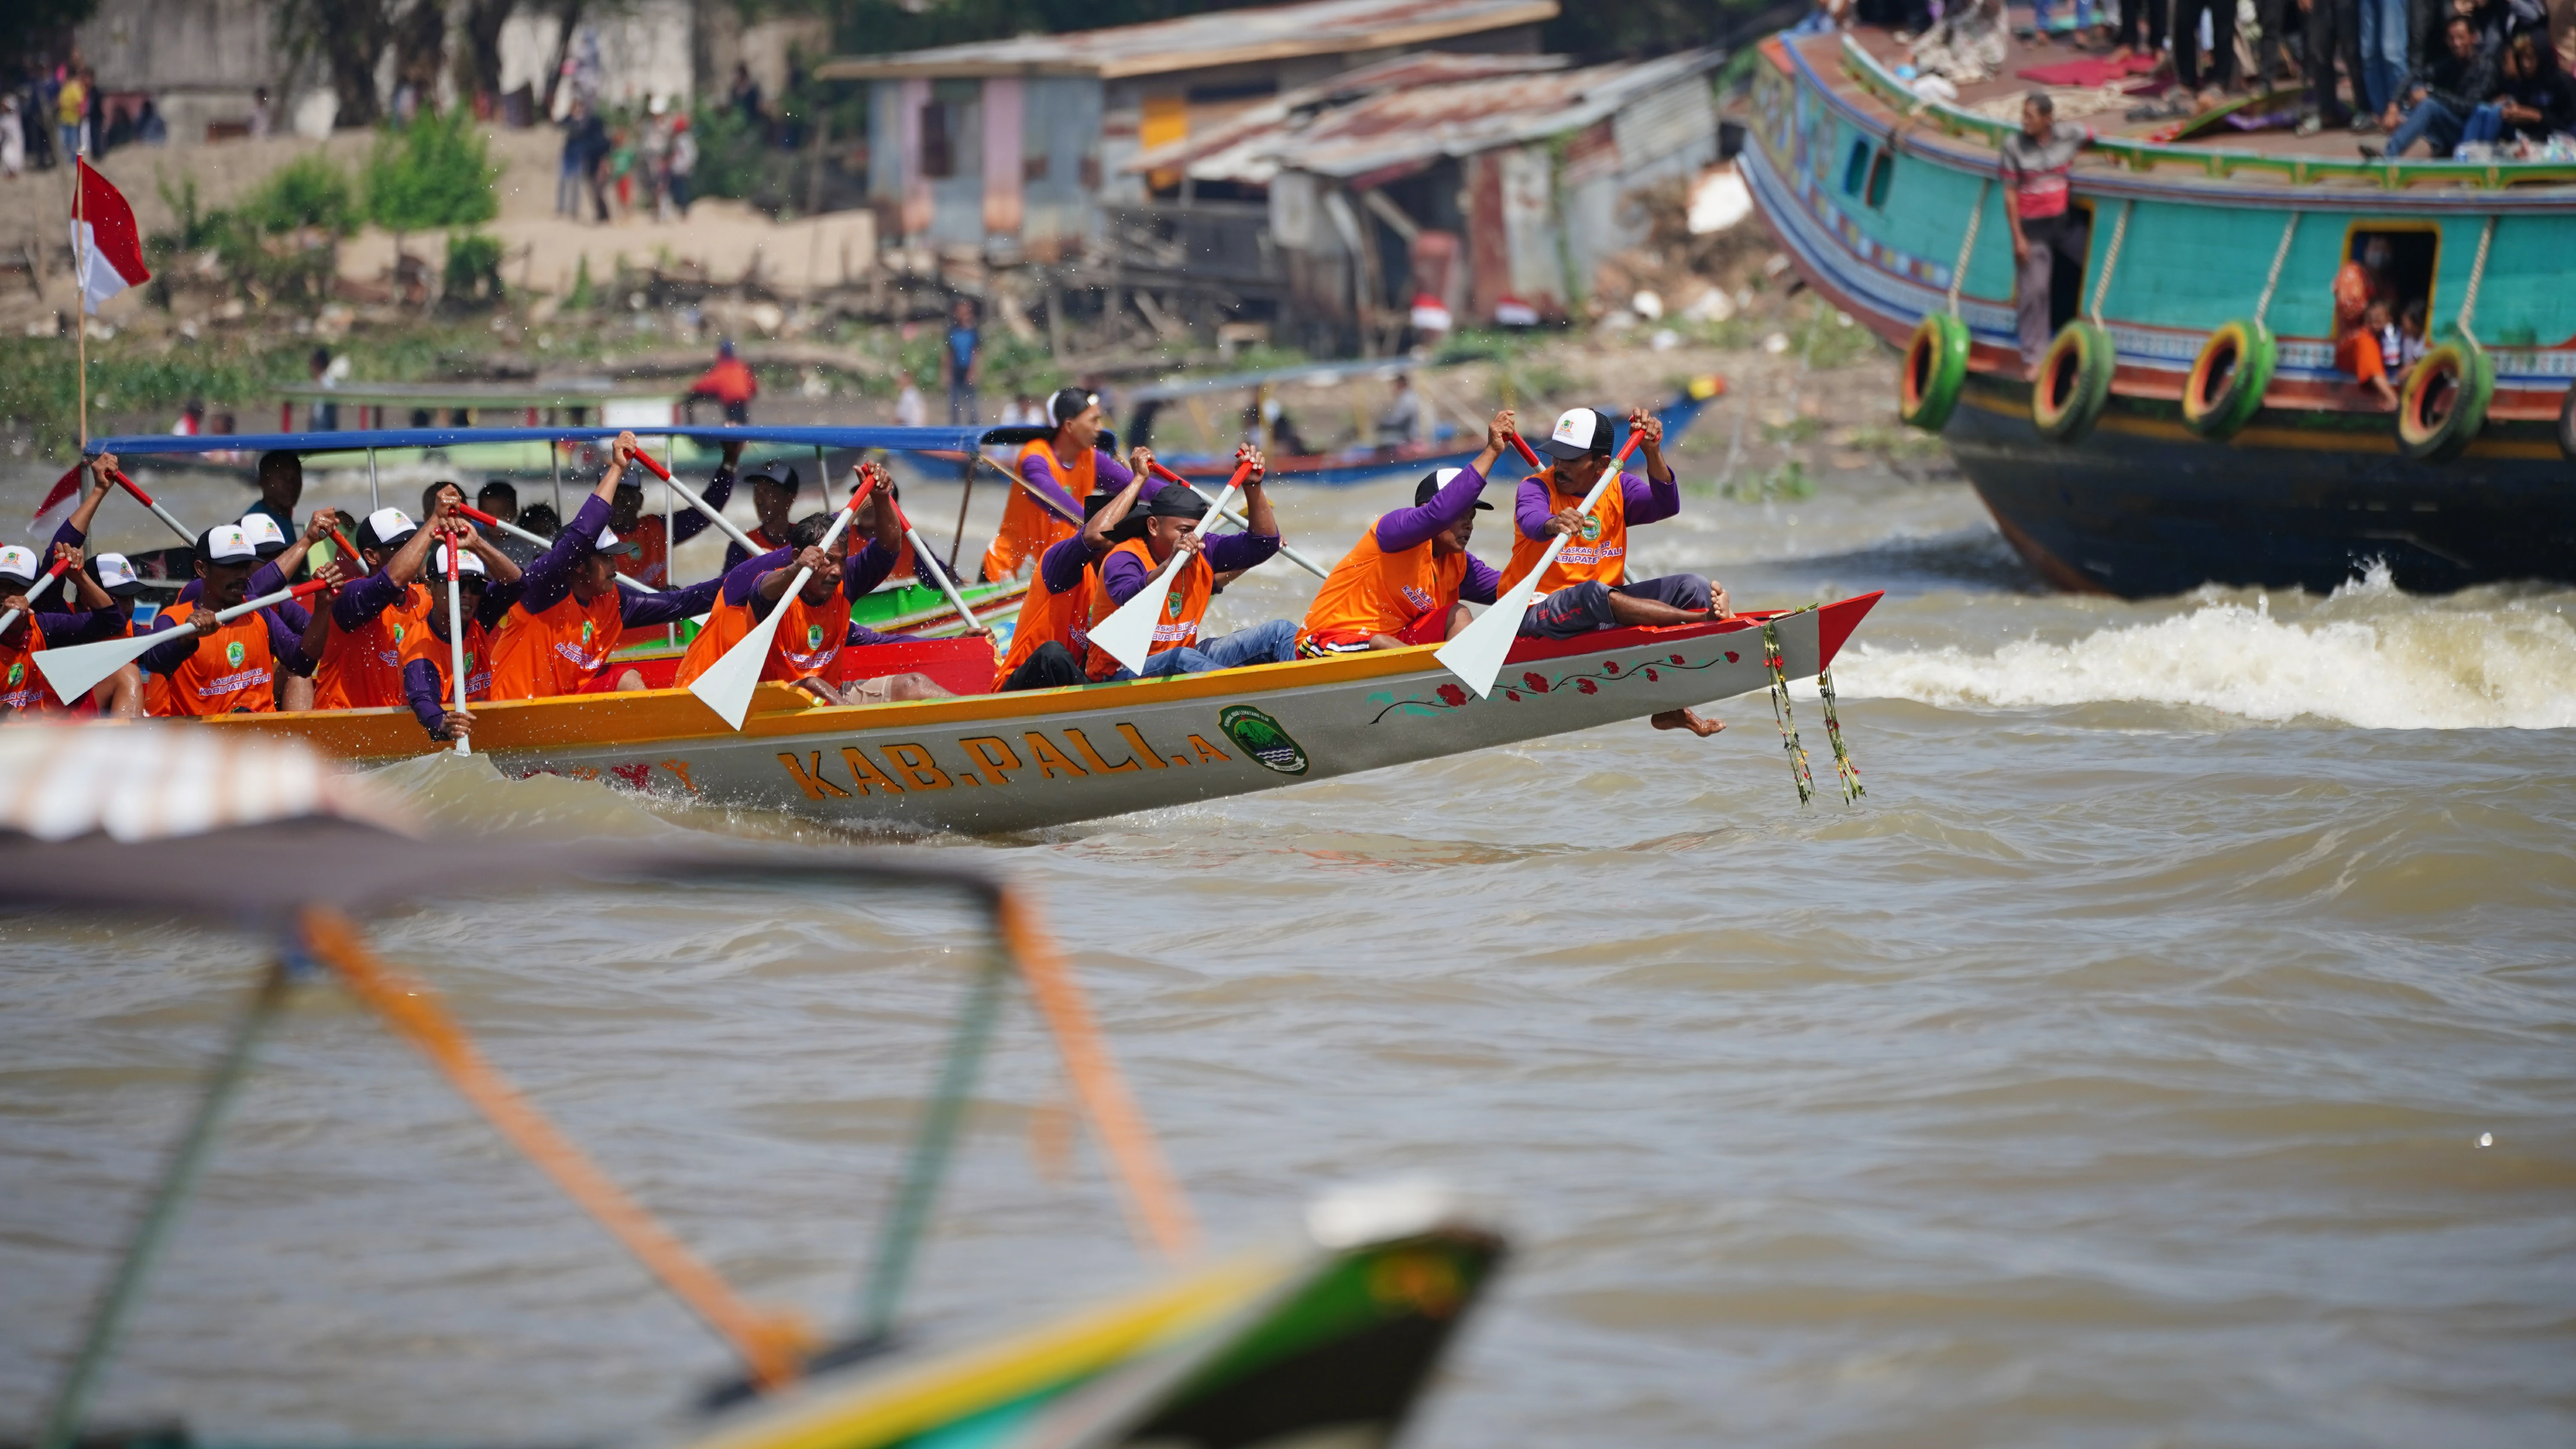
(36, 592)
(1290, 554)
(456, 636)
(78, 669)
(1128, 634)
(1476, 655)
(729, 683)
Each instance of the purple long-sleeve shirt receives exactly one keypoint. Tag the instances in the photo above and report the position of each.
(1107, 472)
(861, 572)
(420, 677)
(548, 581)
(287, 644)
(1642, 500)
(1407, 528)
(1125, 573)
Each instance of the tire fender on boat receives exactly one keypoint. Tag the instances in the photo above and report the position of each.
(2074, 382)
(2228, 379)
(2567, 422)
(1936, 364)
(2442, 403)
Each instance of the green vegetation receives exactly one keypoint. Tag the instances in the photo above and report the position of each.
(473, 272)
(1786, 483)
(39, 387)
(435, 172)
(736, 160)
(279, 244)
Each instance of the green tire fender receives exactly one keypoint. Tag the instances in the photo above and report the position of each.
(2442, 403)
(2228, 380)
(1936, 364)
(2074, 382)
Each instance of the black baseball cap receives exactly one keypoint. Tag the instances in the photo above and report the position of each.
(776, 475)
(1176, 500)
(1436, 480)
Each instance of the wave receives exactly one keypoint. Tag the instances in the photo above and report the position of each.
(2368, 655)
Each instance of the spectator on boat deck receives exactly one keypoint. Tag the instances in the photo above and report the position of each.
(1401, 424)
(206, 668)
(653, 539)
(805, 650)
(961, 365)
(2205, 76)
(281, 486)
(23, 690)
(2451, 97)
(357, 642)
(729, 383)
(1585, 589)
(1171, 541)
(1048, 642)
(556, 639)
(1404, 581)
(2360, 354)
(2333, 34)
(1070, 460)
(487, 583)
(501, 500)
(774, 487)
(2539, 98)
(2037, 160)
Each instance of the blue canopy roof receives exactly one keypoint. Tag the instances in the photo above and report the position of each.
(902, 440)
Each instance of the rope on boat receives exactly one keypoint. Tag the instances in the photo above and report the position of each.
(770, 1345)
(2280, 255)
(2477, 274)
(1157, 1212)
(63, 1417)
(2111, 259)
(1843, 766)
(1968, 243)
(940, 1123)
(1799, 774)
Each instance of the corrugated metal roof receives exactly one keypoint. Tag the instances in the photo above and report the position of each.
(1220, 37)
(1406, 112)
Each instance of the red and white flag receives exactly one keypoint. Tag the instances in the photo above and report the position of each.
(107, 249)
(56, 507)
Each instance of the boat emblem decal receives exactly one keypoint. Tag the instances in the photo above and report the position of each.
(1261, 737)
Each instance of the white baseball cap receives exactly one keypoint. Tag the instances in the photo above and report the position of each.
(467, 562)
(609, 546)
(115, 573)
(19, 564)
(225, 543)
(266, 538)
(1580, 432)
(385, 528)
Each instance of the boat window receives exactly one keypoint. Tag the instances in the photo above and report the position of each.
(1855, 168)
(1882, 174)
(2414, 250)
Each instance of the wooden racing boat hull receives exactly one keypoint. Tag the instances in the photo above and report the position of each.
(1011, 762)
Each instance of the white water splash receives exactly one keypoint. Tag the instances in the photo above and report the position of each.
(2368, 656)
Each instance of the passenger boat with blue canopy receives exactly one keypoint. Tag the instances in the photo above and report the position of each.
(2188, 423)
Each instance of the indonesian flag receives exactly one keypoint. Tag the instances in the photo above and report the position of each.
(56, 507)
(107, 249)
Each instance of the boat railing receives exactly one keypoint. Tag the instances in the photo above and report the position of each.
(2146, 156)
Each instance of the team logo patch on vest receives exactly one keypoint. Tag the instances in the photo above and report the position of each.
(587, 629)
(1262, 738)
(398, 634)
(234, 654)
(1591, 529)
(17, 671)
(813, 636)
(1172, 605)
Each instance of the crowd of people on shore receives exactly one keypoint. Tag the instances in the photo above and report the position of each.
(543, 620)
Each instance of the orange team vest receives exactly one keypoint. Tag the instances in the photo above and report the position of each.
(1030, 528)
(651, 563)
(808, 640)
(1372, 591)
(424, 645)
(21, 685)
(233, 670)
(1050, 619)
(538, 656)
(362, 668)
(1596, 551)
(1183, 607)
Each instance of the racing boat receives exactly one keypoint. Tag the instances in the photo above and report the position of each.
(1009, 762)
(1327, 1338)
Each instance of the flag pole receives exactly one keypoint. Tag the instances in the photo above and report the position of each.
(80, 295)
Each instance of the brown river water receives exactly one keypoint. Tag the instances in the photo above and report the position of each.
(2117, 1073)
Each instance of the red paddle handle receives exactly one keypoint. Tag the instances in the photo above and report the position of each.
(472, 512)
(1528, 454)
(117, 475)
(652, 465)
(306, 587)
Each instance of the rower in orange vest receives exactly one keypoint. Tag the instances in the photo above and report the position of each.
(1171, 541)
(358, 641)
(487, 584)
(1070, 460)
(1404, 581)
(23, 688)
(1052, 635)
(206, 668)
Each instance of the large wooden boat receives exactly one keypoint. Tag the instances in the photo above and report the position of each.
(1328, 1338)
(1009, 762)
(2198, 432)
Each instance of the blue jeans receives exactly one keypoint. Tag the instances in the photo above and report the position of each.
(2383, 50)
(2445, 128)
(1271, 643)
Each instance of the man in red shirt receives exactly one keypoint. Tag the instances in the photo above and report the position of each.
(2036, 164)
(730, 383)
(2362, 281)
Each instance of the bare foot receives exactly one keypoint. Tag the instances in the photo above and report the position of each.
(1683, 719)
(631, 681)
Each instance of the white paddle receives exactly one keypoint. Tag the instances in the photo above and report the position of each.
(729, 683)
(922, 551)
(80, 668)
(1128, 634)
(35, 593)
(1227, 515)
(515, 531)
(1476, 655)
(456, 638)
(689, 496)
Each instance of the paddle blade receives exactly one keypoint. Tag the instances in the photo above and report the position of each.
(79, 668)
(1128, 634)
(1476, 655)
(727, 687)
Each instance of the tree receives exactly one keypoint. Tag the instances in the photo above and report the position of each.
(479, 64)
(32, 27)
(347, 36)
(434, 173)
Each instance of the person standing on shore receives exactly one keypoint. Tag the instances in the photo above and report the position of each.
(961, 364)
(2037, 160)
